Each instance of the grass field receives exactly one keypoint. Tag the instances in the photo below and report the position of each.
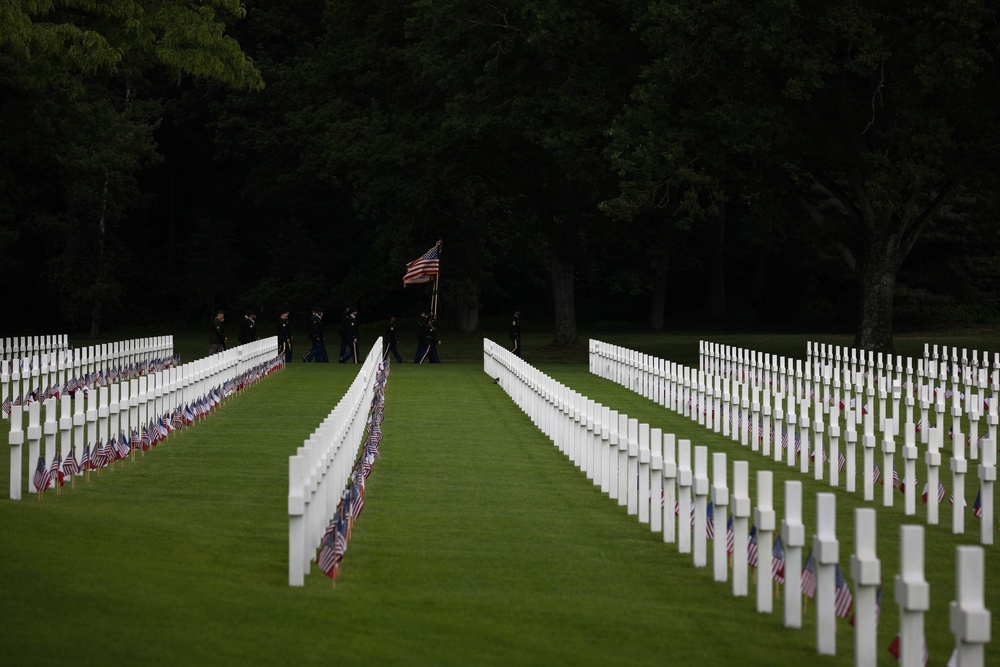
(480, 544)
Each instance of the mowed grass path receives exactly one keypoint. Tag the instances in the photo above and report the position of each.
(479, 544)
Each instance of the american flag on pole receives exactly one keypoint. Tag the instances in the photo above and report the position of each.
(70, 466)
(710, 521)
(941, 492)
(977, 507)
(422, 268)
(55, 476)
(41, 478)
(730, 537)
(843, 600)
(327, 559)
(778, 561)
(752, 547)
(809, 577)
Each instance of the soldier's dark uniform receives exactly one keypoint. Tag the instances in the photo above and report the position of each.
(285, 336)
(318, 350)
(515, 333)
(349, 336)
(423, 329)
(389, 340)
(248, 328)
(217, 334)
(433, 340)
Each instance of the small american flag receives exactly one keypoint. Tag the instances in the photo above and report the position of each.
(941, 492)
(327, 558)
(843, 600)
(752, 544)
(54, 475)
(710, 521)
(809, 577)
(778, 561)
(730, 539)
(977, 507)
(70, 466)
(41, 478)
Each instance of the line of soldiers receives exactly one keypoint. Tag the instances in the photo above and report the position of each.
(428, 336)
(217, 330)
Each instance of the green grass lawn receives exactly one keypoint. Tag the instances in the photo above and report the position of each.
(480, 544)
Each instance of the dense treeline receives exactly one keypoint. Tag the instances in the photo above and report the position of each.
(667, 162)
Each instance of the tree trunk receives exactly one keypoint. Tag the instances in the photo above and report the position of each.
(876, 285)
(717, 267)
(468, 313)
(658, 299)
(561, 271)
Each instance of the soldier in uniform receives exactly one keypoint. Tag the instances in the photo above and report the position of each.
(285, 335)
(248, 327)
(217, 333)
(349, 335)
(515, 333)
(433, 340)
(318, 350)
(423, 329)
(389, 340)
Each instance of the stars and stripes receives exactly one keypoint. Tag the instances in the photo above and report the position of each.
(940, 495)
(778, 560)
(55, 476)
(752, 546)
(843, 601)
(41, 477)
(809, 577)
(422, 268)
(70, 466)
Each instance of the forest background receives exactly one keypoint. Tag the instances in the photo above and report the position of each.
(669, 164)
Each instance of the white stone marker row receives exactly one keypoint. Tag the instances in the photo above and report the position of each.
(121, 407)
(824, 362)
(545, 402)
(680, 389)
(40, 371)
(26, 346)
(320, 469)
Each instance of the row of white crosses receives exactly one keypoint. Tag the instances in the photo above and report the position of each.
(836, 371)
(320, 469)
(781, 404)
(87, 418)
(604, 443)
(26, 346)
(43, 369)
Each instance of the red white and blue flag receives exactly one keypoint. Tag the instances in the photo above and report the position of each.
(422, 268)
(843, 600)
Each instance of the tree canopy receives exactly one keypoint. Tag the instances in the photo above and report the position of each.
(774, 164)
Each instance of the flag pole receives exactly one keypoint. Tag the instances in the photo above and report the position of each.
(434, 295)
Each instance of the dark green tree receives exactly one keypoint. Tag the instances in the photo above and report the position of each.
(80, 113)
(850, 109)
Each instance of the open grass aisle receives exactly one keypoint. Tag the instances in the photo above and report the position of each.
(481, 544)
(179, 558)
